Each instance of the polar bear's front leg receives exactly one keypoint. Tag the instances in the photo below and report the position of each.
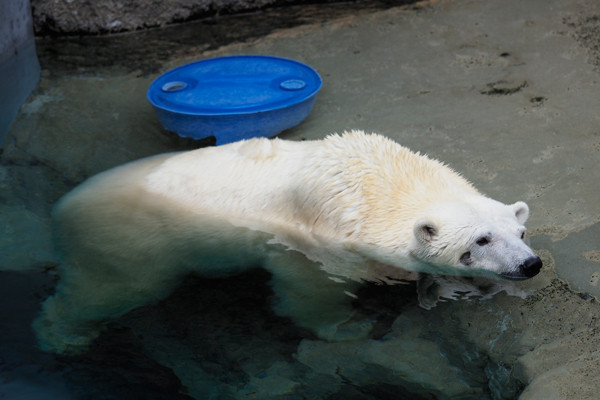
(314, 299)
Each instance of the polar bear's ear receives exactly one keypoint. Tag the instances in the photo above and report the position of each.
(425, 229)
(521, 211)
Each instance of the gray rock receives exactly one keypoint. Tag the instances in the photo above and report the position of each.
(103, 16)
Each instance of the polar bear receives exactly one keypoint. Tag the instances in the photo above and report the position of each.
(321, 216)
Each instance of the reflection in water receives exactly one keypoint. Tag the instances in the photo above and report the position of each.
(222, 339)
(435, 288)
(219, 339)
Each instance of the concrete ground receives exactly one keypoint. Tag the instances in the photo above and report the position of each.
(505, 91)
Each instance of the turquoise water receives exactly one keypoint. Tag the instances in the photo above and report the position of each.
(221, 338)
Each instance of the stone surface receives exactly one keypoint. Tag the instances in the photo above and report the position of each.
(67, 17)
(19, 66)
(569, 380)
(505, 91)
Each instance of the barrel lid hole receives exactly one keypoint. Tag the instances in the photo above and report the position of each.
(174, 86)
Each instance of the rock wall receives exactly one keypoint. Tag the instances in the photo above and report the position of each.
(19, 66)
(67, 17)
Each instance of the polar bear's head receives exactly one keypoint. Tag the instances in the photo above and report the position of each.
(475, 237)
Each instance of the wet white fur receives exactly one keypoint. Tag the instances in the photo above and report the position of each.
(321, 216)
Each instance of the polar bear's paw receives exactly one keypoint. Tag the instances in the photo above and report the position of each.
(61, 338)
(61, 333)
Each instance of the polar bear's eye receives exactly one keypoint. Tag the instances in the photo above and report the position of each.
(482, 241)
(523, 235)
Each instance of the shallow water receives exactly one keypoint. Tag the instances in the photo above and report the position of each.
(219, 339)
(187, 346)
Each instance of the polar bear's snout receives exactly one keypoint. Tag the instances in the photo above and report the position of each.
(530, 268)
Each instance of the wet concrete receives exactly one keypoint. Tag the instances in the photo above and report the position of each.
(506, 92)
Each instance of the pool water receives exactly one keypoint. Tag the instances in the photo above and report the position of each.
(186, 347)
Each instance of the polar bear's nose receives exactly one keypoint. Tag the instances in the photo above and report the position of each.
(531, 267)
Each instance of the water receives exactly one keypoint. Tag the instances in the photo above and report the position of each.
(219, 339)
(19, 67)
(186, 347)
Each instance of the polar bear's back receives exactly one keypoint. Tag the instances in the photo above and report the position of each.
(112, 220)
(243, 194)
(244, 180)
